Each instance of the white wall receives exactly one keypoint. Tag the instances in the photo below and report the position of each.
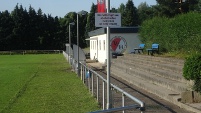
(98, 48)
(97, 52)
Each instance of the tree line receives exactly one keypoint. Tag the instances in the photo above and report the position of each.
(23, 29)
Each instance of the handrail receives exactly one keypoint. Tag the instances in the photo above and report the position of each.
(141, 107)
(117, 109)
(128, 95)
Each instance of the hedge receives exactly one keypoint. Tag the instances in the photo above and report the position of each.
(179, 34)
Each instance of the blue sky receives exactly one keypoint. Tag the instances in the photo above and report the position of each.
(62, 7)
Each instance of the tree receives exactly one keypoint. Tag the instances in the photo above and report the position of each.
(20, 30)
(6, 27)
(144, 12)
(192, 5)
(69, 18)
(113, 10)
(82, 25)
(131, 16)
(90, 26)
(199, 6)
(33, 30)
(168, 8)
(121, 9)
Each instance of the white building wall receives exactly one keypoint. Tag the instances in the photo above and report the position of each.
(98, 45)
(97, 48)
(102, 55)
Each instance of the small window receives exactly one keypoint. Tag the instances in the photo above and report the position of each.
(103, 44)
(93, 45)
(99, 44)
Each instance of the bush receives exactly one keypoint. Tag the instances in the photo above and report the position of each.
(192, 71)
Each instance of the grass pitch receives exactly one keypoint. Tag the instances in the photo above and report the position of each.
(41, 83)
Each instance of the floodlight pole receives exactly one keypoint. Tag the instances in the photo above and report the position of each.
(109, 101)
(78, 45)
(70, 41)
(78, 60)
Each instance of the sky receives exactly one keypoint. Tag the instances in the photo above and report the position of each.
(61, 7)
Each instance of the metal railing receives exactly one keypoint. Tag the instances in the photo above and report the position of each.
(90, 77)
(94, 81)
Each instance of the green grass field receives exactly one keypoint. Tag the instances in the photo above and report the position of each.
(41, 83)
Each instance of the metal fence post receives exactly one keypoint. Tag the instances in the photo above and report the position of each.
(89, 82)
(81, 66)
(103, 95)
(92, 85)
(123, 101)
(84, 75)
(97, 90)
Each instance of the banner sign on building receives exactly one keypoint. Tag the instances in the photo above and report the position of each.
(107, 19)
(118, 44)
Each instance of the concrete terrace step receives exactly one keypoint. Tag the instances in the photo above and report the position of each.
(170, 60)
(178, 62)
(152, 78)
(150, 69)
(154, 63)
(166, 94)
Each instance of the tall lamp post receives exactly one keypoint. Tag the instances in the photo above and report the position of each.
(72, 23)
(79, 13)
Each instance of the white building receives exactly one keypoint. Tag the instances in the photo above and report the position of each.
(122, 40)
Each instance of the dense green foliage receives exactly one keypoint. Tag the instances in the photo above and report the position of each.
(41, 83)
(144, 12)
(192, 70)
(90, 26)
(130, 17)
(170, 8)
(22, 29)
(179, 34)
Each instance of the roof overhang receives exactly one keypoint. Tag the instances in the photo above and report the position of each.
(94, 38)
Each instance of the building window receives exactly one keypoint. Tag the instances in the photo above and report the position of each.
(103, 44)
(93, 44)
(99, 44)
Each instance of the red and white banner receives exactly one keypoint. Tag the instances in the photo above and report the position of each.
(101, 7)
